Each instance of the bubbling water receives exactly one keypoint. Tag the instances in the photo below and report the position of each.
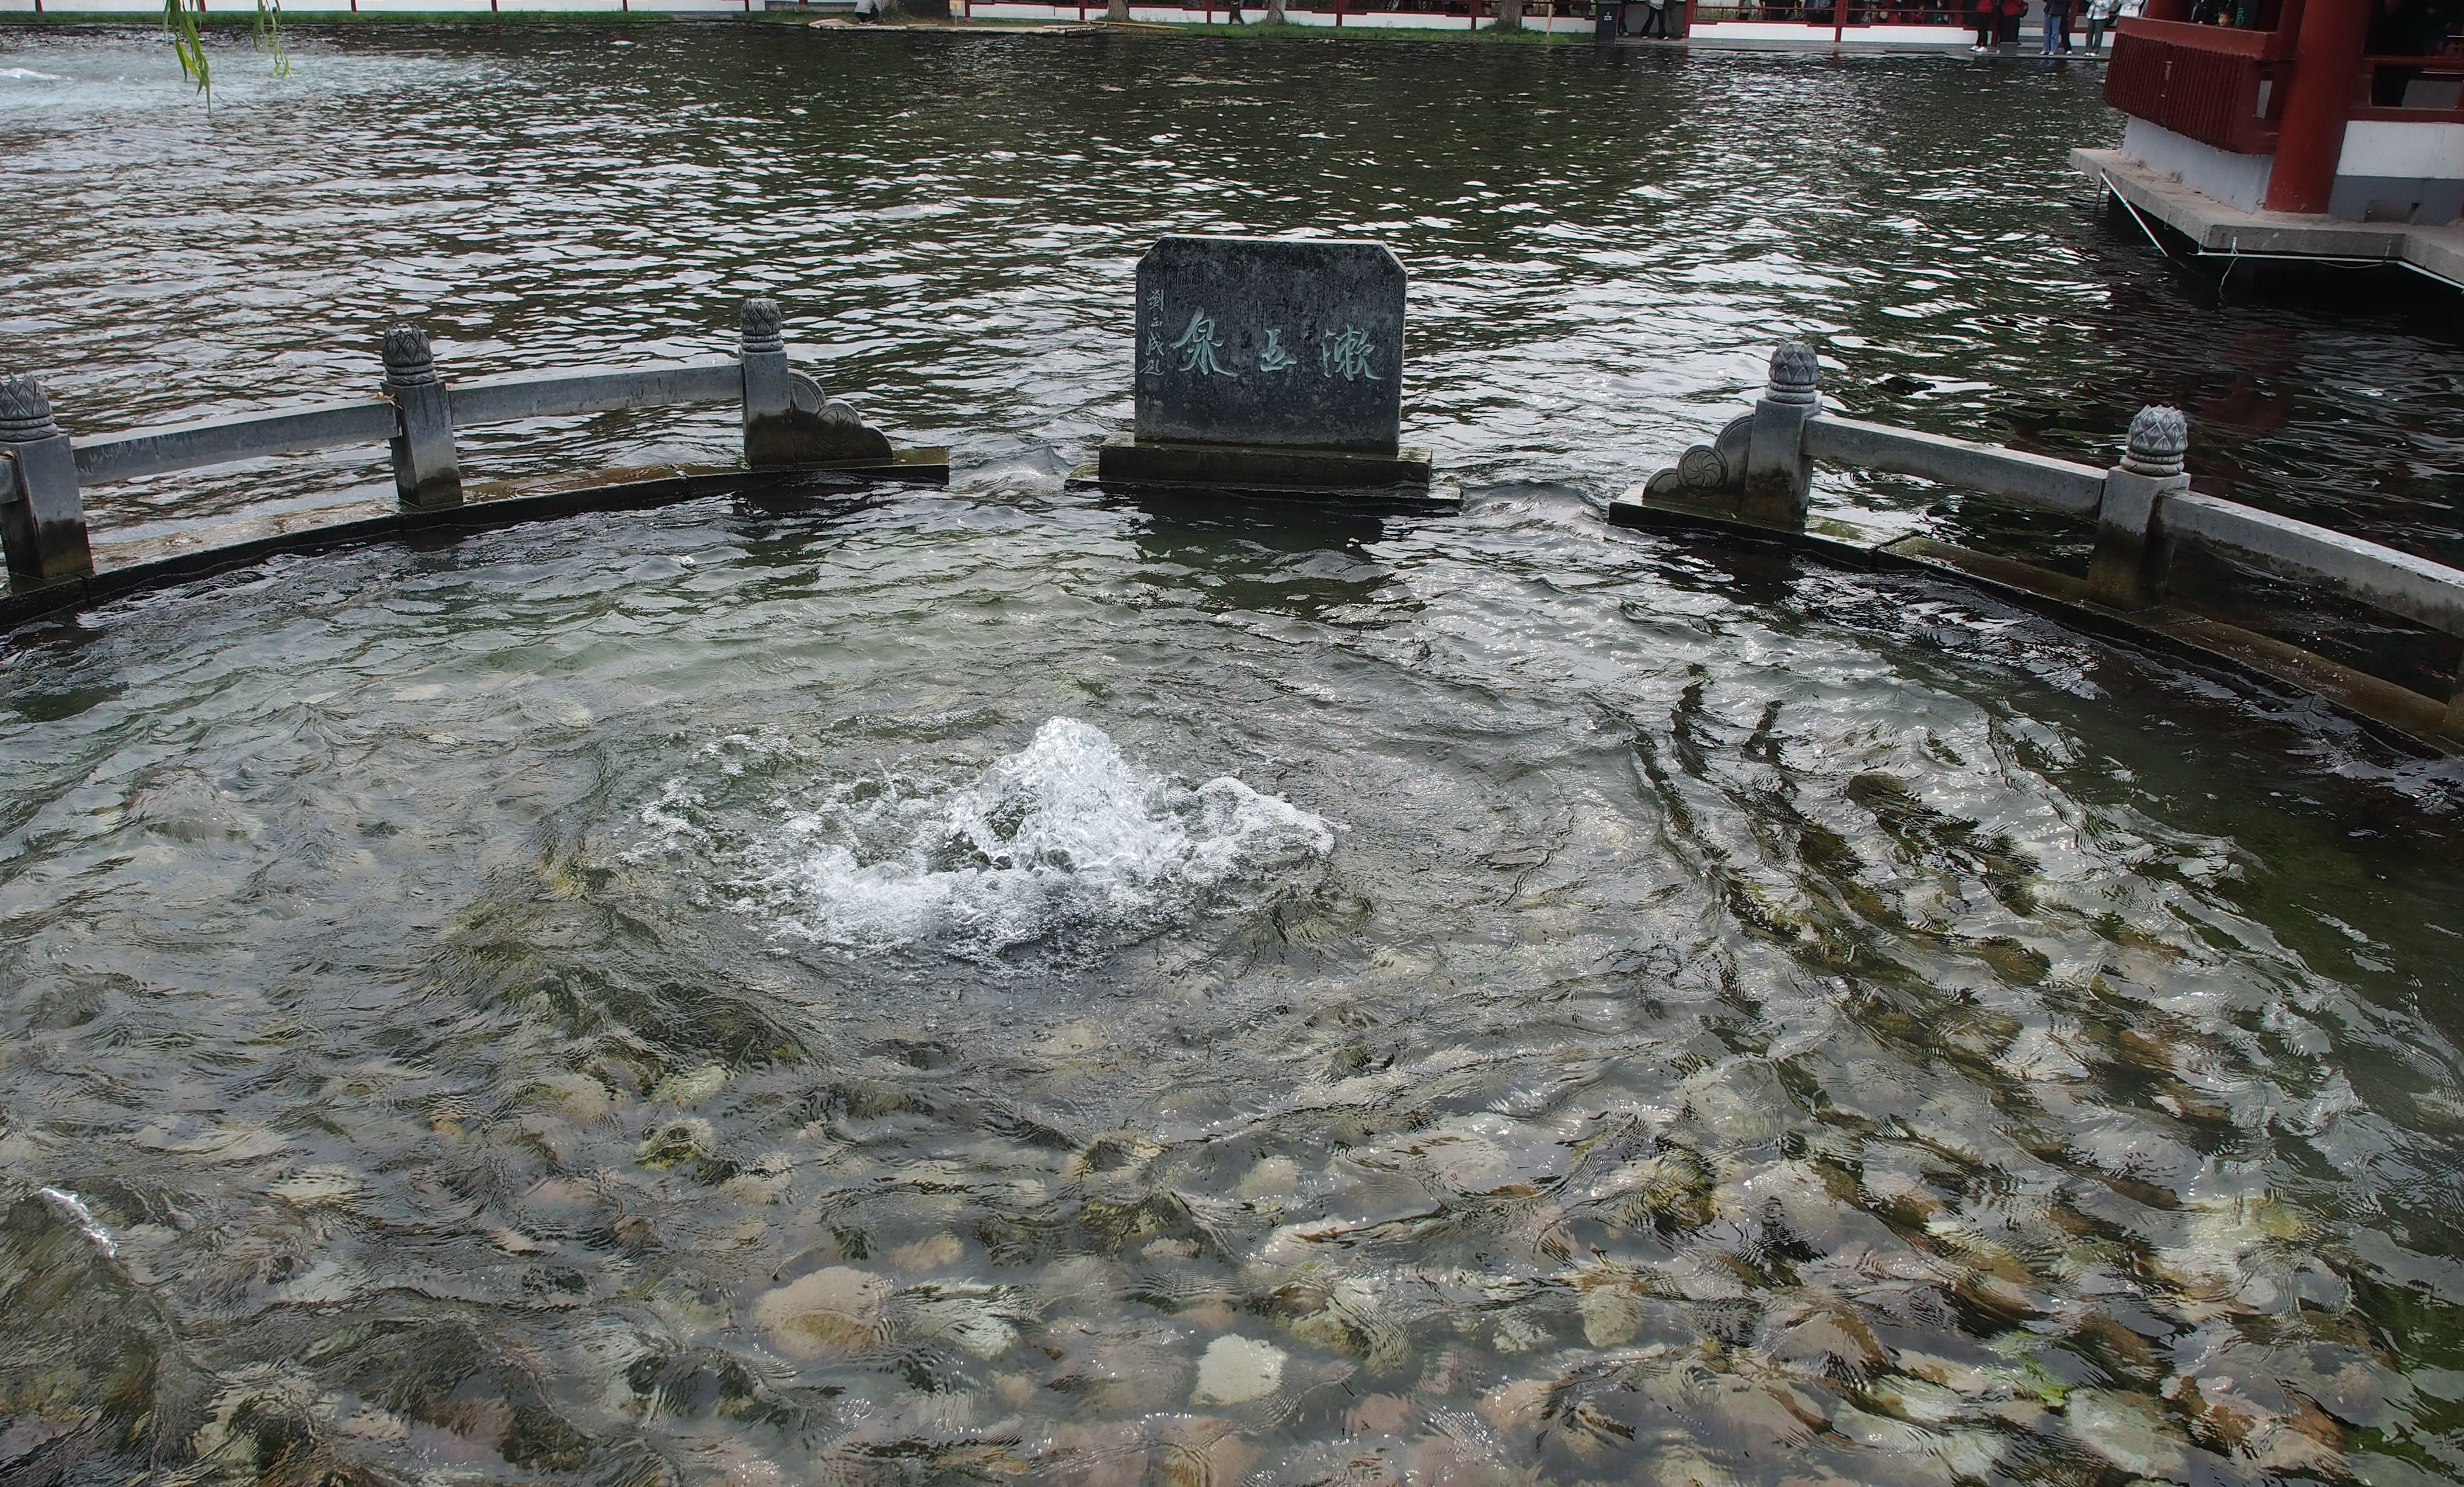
(1066, 848)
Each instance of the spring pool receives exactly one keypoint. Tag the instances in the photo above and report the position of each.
(1000, 984)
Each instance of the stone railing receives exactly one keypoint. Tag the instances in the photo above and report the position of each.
(1754, 478)
(1757, 474)
(788, 424)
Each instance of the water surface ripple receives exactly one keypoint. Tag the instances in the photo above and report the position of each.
(982, 987)
(1009, 986)
(1603, 252)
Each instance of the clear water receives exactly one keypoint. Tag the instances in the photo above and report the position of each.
(1007, 985)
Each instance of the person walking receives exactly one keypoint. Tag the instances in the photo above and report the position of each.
(2101, 16)
(2057, 24)
(1986, 15)
(1655, 18)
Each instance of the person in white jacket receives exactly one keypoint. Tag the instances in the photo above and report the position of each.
(2100, 16)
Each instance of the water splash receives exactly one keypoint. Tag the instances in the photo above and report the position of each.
(1064, 846)
(82, 1218)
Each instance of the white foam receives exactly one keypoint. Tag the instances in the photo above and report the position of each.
(1063, 844)
(29, 75)
(82, 1218)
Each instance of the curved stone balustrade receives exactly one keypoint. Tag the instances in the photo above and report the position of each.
(1756, 476)
(788, 424)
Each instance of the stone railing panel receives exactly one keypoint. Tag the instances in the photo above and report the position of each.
(167, 447)
(568, 392)
(2013, 474)
(2400, 583)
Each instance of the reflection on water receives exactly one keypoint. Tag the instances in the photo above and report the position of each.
(1603, 250)
(1000, 987)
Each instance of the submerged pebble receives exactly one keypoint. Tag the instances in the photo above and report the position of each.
(1686, 1063)
(1235, 1370)
(829, 1311)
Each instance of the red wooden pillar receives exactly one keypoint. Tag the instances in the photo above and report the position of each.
(2326, 57)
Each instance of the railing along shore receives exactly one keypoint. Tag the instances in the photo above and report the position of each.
(1754, 478)
(1757, 476)
(788, 425)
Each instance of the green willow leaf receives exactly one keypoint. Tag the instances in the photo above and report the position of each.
(180, 28)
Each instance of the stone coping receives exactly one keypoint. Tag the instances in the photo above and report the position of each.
(2395, 715)
(2403, 718)
(135, 566)
(2214, 227)
(1435, 494)
(1126, 463)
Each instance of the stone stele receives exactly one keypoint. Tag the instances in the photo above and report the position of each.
(1269, 341)
(1267, 361)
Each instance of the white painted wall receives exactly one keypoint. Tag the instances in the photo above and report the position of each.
(1421, 20)
(1252, 11)
(1821, 35)
(2236, 180)
(2403, 151)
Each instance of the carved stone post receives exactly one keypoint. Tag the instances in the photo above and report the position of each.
(1778, 477)
(427, 471)
(763, 351)
(788, 422)
(42, 518)
(2132, 553)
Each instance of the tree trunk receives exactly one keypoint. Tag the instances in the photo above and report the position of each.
(1509, 14)
(1117, 11)
(1275, 12)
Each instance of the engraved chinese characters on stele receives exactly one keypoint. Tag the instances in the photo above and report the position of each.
(1197, 345)
(1276, 343)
